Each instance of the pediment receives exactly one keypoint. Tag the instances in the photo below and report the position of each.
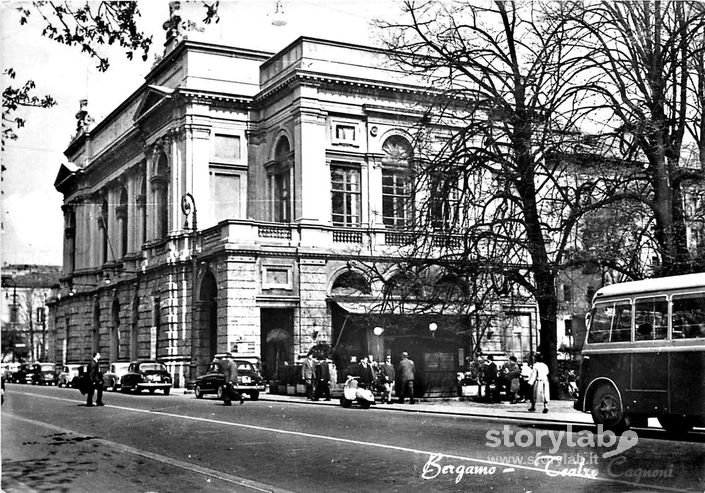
(153, 97)
(65, 175)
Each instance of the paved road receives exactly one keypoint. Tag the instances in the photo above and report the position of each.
(52, 442)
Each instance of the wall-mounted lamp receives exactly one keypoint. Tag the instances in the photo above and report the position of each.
(378, 331)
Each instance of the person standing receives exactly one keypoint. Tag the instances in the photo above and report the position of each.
(95, 382)
(407, 373)
(367, 376)
(539, 383)
(309, 374)
(389, 378)
(513, 372)
(525, 388)
(489, 378)
(230, 372)
(322, 380)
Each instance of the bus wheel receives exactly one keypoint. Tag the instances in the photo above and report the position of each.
(607, 409)
(675, 425)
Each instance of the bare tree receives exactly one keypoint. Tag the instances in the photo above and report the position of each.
(647, 88)
(506, 189)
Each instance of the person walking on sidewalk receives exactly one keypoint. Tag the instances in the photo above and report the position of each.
(95, 382)
(388, 377)
(512, 372)
(309, 374)
(230, 372)
(539, 383)
(407, 373)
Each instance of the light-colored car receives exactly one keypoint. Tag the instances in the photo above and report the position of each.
(68, 376)
(112, 379)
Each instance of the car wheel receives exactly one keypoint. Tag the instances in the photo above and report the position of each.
(346, 403)
(166, 391)
(199, 393)
(675, 425)
(364, 404)
(607, 409)
(114, 386)
(151, 391)
(254, 395)
(220, 392)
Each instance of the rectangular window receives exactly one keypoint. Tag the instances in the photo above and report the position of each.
(651, 319)
(281, 201)
(345, 133)
(227, 147)
(277, 277)
(567, 293)
(611, 322)
(568, 327)
(345, 195)
(396, 198)
(688, 316)
(444, 205)
(225, 196)
(14, 314)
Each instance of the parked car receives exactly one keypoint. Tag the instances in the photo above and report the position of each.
(68, 376)
(20, 373)
(42, 374)
(146, 375)
(112, 379)
(249, 380)
(7, 369)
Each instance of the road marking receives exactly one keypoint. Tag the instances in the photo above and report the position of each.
(212, 473)
(359, 442)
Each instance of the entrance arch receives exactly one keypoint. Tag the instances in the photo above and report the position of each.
(207, 308)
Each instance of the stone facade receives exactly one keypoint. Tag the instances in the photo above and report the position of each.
(289, 166)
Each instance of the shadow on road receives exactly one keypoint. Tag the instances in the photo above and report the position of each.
(60, 468)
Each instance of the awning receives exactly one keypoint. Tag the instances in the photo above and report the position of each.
(393, 307)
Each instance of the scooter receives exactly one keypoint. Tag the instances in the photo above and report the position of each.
(354, 393)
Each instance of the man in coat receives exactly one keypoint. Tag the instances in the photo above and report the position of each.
(322, 380)
(230, 372)
(389, 378)
(309, 375)
(95, 382)
(407, 373)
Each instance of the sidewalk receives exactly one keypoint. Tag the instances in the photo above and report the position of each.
(559, 411)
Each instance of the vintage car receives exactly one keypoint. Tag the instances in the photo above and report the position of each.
(42, 374)
(146, 375)
(249, 380)
(20, 374)
(68, 376)
(112, 379)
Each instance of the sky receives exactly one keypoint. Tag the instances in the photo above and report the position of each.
(32, 219)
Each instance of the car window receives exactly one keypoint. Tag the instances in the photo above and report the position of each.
(243, 365)
(152, 367)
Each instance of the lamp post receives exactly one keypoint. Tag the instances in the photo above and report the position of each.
(433, 327)
(378, 331)
(188, 206)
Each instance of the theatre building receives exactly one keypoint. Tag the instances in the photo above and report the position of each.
(236, 201)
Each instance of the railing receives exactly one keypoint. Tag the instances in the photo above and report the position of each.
(274, 231)
(347, 236)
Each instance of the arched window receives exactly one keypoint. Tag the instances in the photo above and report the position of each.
(103, 227)
(142, 205)
(122, 220)
(70, 239)
(280, 181)
(160, 190)
(396, 182)
(350, 283)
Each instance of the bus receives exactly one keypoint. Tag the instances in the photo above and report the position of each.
(644, 354)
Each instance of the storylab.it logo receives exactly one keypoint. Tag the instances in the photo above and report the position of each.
(508, 437)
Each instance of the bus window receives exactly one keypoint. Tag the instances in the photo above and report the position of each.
(651, 319)
(622, 330)
(601, 322)
(688, 316)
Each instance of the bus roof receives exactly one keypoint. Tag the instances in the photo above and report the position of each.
(652, 285)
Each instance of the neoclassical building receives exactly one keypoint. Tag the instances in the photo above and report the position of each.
(236, 201)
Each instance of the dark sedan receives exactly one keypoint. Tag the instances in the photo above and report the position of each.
(42, 374)
(213, 382)
(146, 375)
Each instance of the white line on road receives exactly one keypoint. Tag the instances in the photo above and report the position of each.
(362, 443)
(228, 478)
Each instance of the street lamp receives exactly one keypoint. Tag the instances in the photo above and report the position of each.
(433, 327)
(188, 207)
(378, 331)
